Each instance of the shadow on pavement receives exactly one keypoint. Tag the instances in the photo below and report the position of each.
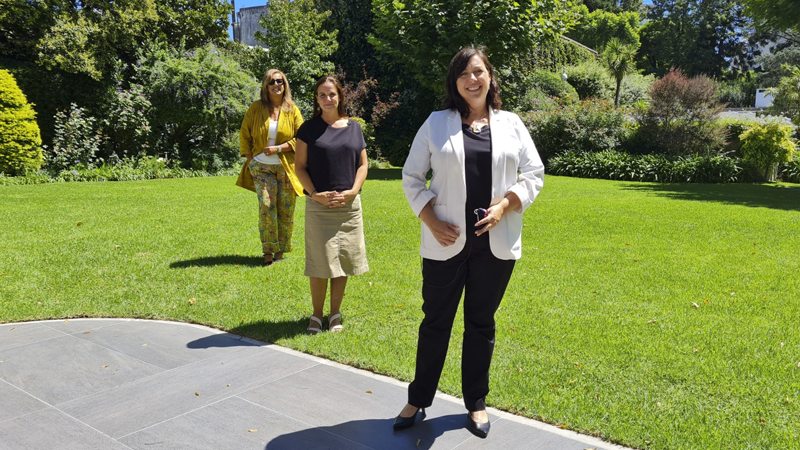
(371, 433)
(272, 331)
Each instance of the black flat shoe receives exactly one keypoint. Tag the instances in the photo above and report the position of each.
(478, 429)
(401, 423)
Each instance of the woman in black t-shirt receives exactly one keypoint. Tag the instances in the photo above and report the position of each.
(331, 164)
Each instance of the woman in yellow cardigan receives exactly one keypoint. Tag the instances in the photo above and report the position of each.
(267, 141)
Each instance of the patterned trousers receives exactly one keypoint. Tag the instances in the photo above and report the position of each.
(276, 199)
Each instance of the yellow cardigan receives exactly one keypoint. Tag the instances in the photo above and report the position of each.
(254, 136)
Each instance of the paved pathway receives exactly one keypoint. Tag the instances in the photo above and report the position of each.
(110, 384)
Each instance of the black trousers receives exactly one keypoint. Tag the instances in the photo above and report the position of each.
(482, 278)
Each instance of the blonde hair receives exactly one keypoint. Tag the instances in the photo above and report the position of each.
(287, 104)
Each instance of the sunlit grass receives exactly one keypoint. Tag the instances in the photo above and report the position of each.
(657, 316)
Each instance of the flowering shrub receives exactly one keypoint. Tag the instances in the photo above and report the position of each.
(126, 127)
(76, 141)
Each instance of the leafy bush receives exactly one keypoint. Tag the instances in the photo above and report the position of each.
(198, 99)
(20, 141)
(126, 128)
(681, 118)
(765, 145)
(536, 100)
(551, 84)
(591, 80)
(615, 165)
(739, 92)
(583, 127)
(734, 128)
(76, 140)
(49, 91)
(786, 100)
(791, 171)
(635, 89)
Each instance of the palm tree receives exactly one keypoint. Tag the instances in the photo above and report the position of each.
(618, 59)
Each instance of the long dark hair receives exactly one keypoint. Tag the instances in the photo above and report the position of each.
(453, 100)
(339, 92)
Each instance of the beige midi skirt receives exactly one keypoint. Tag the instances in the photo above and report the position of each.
(335, 240)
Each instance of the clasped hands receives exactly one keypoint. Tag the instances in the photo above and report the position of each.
(446, 233)
(334, 199)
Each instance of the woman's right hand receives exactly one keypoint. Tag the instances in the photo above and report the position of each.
(445, 233)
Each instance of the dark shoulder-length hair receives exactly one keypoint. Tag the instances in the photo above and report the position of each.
(453, 100)
(287, 104)
(339, 93)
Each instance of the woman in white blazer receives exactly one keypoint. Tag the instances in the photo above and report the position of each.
(485, 174)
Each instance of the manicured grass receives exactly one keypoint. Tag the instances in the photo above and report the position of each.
(659, 316)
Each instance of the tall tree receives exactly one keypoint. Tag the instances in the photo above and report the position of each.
(422, 36)
(614, 6)
(775, 14)
(618, 60)
(597, 28)
(353, 19)
(297, 42)
(699, 36)
(90, 36)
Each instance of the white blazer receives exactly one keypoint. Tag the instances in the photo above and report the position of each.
(516, 167)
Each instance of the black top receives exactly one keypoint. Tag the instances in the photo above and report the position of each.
(333, 153)
(478, 172)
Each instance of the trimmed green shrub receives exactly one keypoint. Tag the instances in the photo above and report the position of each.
(583, 127)
(76, 141)
(616, 165)
(765, 145)
(20, 141)
(734, 128)
(551, 84)
(591, 80)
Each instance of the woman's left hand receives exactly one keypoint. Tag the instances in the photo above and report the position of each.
(341, 198)
(493, 216)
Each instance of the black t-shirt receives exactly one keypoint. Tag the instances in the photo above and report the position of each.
(478, 172)
(333, 153)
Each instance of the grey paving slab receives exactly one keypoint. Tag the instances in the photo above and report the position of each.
(146, 402)
(73, 326)
(507, 434)
(235, 424)
(16, 334)
(94, 384)
(359, 408)
(165, 345)
(17, 403)
(51, 429)
(65, 368)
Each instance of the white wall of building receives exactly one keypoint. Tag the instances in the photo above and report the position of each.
(248, 24)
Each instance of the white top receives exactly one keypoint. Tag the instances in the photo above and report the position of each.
(263, 158)
(516, 167)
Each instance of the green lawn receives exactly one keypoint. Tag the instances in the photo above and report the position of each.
(659, 316)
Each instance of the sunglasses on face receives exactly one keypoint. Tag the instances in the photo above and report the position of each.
(279, 82)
